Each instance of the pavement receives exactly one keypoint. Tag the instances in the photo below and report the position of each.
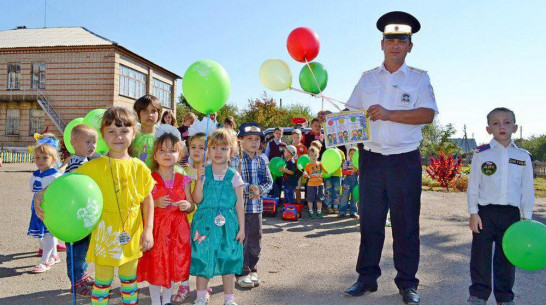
(304, 262)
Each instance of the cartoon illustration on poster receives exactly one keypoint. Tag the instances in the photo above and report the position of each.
(348, 127)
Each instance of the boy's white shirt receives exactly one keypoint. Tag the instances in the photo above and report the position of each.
(511, 183)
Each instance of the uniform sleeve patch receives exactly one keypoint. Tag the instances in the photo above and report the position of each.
(517, 162)
(481, 148)
(489, 168)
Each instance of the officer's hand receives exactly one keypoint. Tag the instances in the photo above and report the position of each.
(475, 223)
(377, 112)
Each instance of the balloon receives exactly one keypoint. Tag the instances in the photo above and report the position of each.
(275, 164)
(67, 134)
(94, 119)
(72, 206)
(206, 86)
(303, 160)
(356, 194)
(331, 160)
(101, 147)
(303, 44)
(326, 175)
(355, 159)
(307, 82)
(275, 75)
(524, 244)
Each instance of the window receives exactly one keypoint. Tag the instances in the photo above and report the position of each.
(131, 82)
(12, 122)
(163, 92)
(14, 69)
(37, 121)
(38, 75)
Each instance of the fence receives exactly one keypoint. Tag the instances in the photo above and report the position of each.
(16, 157)
(539, 169)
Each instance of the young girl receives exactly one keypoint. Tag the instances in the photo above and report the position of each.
(45, 157)
(169, 118)
(169, 260)
(126, 184)
(148, 109)
(218, 225)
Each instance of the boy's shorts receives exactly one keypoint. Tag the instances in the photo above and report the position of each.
(315, 193)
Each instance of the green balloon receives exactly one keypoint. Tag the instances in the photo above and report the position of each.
(67, 133)
(356, 194)
(307, 82)
(326, 175)
(355, 159)
(72, 207)
(303, 160)
(206, 86)
(101, 147)
(331, 160)
(94, 119)
(275, 164)
(524, 245)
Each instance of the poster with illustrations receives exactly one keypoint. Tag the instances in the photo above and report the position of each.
(348, 127)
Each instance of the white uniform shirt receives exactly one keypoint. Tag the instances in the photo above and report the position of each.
(406, 89)
(502, 176)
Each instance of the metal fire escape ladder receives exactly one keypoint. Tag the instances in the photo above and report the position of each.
(50, 111)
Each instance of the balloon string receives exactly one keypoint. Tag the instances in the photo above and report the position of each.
(331, 100)
(320, 91)
(206, 140)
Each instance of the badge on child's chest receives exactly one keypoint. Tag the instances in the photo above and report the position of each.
(489, 168)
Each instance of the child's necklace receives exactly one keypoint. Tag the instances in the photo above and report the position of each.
(219, 220)
(123, 237)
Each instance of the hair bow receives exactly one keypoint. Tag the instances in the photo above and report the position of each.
(49, 141)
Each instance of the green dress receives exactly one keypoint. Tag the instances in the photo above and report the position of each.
(218, 253)
(143, 147)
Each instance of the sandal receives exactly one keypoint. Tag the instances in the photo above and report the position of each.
(41, 267)
(182, 294)
(54, 259)
(83, 289)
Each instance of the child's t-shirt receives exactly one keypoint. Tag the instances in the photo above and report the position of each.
(143, 147)
(316, 169)
(124, 184)
(40, 180)
(301, 149)
(290, 181)
(339, 172)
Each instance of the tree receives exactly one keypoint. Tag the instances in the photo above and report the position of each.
(228, 110)
(264, 111)
(436, 139)
(536, 145)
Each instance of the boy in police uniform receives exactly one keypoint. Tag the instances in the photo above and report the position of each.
(500, 191)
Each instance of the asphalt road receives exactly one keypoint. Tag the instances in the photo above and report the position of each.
(304, 262)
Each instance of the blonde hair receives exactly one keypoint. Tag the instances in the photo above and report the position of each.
(313, 149)
(317, 144)
(189, 116)
(165, 139)
(119, 116)
(46, 149)
(223, 136)
(83, 129)
(197, 136)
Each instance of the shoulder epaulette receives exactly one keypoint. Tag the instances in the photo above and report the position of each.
(369, 71)
(416, 70)
(479, 149)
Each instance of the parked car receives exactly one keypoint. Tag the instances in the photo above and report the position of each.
(286, 134)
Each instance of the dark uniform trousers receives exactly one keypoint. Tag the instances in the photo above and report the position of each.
(252, 245)
(495, 220)
(389, 182)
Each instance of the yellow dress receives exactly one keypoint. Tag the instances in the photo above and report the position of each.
(192, 173)
(133, 182)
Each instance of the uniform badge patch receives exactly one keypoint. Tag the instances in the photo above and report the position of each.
(405, 98)
(489, 168)
(517, 162)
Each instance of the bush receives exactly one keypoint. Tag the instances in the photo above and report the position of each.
(444, 169)
(461, 183)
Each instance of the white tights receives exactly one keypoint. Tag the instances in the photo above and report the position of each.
(49, 248)
(157, 296)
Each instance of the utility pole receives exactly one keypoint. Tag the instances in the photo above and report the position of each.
(521, 136)
(280, 103)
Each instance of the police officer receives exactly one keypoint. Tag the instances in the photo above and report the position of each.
(400, 101)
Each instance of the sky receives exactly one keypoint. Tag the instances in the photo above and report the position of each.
(479, 54)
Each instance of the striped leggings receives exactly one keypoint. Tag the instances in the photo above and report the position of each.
(103, 280)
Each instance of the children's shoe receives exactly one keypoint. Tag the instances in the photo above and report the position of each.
(388, 223)
(254, 278)
(340, 215)
(182, 294)
(41, 267)
(475, 301)
(311, 215)
(319, 215)
(61, 248)
(245, 282)
(336, 210)
(354, 215)
(40, 252)
(54, 259)
(506, 303)
(230, 302)
(201, 301)
(330, 210)
(82, 289)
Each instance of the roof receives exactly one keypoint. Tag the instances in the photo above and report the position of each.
(466, 146)
(60, 37)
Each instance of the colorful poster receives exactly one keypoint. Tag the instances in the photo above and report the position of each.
(348, 127)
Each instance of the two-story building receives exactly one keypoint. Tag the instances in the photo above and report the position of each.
(50, 76)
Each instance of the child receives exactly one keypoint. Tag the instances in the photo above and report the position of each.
(500, 189)
(315, 186)
(274, 149)
(84, 140)
(148, 109)
(290, 177)
(45, 158)
(218, 227)
(257, 181)
(296, 141)
(349, 182)
(332, 186)
(169, 118)
(314, 135)
(262, 154)
(189, 118)
(168, 261)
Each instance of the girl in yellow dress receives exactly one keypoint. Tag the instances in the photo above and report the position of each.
(126, 224)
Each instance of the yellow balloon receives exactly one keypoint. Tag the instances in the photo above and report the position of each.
(275, 75)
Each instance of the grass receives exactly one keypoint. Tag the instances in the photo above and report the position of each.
(540, 187)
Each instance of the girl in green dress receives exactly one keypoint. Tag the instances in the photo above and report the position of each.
(218, 225)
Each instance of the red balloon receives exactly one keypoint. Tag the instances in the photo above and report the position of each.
(303, 44)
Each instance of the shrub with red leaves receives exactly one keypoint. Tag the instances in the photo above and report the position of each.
(444, 169)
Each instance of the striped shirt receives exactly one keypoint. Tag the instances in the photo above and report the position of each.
(254, 171)
(75, 162)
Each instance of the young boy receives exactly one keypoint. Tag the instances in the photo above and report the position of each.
(262, 154)
(189, 118)
(296, 141)
(500, 190)
(332, 186)
(148, 109)
(274, 149)
(315, 135)
(290, 177)
(315, 187)
(258, 182)
(349, 182)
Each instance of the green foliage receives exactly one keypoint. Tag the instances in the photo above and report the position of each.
(536, 146)
(436, 140)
